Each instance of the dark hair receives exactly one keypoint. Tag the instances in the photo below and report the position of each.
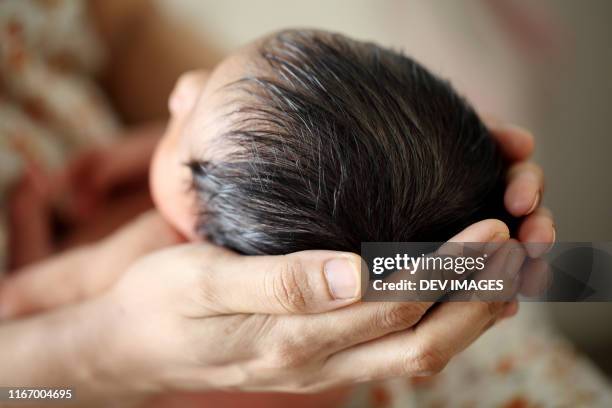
(340, 142)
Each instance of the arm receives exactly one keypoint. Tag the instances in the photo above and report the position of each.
(51, 350)
(227, 322)
(63, 349)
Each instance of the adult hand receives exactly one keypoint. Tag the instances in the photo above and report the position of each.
(155, 328)
(197, 317)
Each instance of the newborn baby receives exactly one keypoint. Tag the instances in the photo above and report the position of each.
(308, 139)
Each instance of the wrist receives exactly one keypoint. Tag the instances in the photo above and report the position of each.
(59, 349)
(107, 348)
(97, 363)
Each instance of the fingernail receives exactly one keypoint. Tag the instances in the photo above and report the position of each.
(535, 204)
(498, 239)
(341, 278)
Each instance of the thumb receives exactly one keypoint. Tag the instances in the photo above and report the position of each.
(301, 282)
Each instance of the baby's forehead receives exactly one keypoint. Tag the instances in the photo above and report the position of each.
(217, 107)
(223, 90)
(245, 80)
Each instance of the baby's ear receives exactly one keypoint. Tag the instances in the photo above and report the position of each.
(186, 91)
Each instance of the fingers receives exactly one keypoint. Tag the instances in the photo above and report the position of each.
(524, 190)
(367, 321)
(349, 326)
(483, 237)
(442, 333)
(503, 265)
(302, 282)
(483, 231)
(525, 184)
(538, 229)
(479, 236)
(85, 271)
(515, 142)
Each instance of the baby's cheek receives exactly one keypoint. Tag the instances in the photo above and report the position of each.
(169, 180)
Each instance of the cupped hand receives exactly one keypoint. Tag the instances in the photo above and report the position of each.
(196, 316)
(200, 317)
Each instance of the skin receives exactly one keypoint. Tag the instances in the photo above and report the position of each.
(219, 295)
(197, 105)
(119, 292)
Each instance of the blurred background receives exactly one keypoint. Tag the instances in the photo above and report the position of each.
(545, 65)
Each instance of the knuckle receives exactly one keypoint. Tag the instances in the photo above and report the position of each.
(291, 287)
(401, 315)
(199, 267)
(427, 360)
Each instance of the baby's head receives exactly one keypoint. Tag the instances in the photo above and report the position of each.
(307, 139)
